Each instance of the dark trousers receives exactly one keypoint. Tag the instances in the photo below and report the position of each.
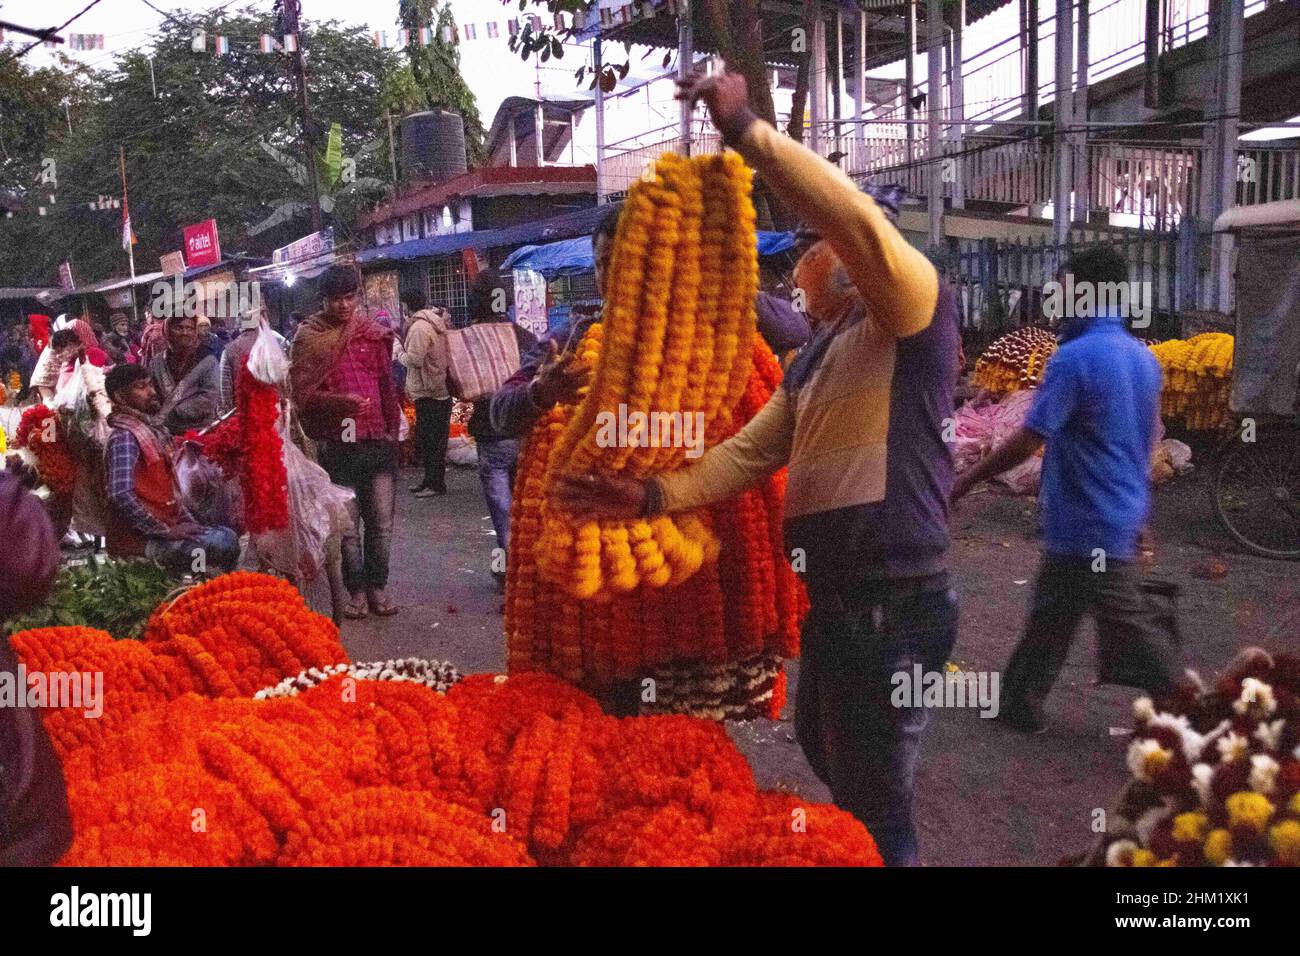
(497, 458)
(369, 468)
(1127, 627)
(862, 746)
(432, 422)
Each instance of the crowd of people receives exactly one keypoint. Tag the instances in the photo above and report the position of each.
(858, 422)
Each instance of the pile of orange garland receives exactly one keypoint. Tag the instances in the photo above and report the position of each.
(711, 644)
(691, 612)
(185, 768)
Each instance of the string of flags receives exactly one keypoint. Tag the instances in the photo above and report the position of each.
(608, 16)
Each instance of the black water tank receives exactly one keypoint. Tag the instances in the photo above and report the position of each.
(433, 146)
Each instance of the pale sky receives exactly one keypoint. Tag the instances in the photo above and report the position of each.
(494, 73)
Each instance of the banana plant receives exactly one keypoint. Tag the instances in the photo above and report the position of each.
(330, 176)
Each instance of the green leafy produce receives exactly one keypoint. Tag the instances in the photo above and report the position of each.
(115, 596)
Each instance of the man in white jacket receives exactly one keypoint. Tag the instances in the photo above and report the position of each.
(423, 351)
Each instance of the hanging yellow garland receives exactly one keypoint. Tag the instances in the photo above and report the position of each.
(675, 352)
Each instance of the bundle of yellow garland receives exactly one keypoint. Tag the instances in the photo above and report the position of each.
(1198, 380)
(1015, 361)
(674, 351)
(1216, 779)
(186, 768)
(708, 646)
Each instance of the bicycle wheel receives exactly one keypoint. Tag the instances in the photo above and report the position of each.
(1257, 493)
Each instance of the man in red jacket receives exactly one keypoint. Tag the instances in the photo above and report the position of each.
(35, 829)
(145, 514)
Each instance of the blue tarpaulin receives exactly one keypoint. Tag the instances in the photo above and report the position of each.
(573, 256)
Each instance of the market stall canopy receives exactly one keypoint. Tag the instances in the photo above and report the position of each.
(567, 225)
(40, 293)
(148, 278)
(574, 257)
(1282, 214)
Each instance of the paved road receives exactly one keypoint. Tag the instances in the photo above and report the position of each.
(986, 795)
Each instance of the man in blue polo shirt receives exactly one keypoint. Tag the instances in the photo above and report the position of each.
(1096, 411)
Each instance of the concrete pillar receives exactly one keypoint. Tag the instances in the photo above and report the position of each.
(817, 85)
(934, 118)
(539, 133)
(1063, 113)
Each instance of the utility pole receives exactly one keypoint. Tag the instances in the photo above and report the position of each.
(291, 10)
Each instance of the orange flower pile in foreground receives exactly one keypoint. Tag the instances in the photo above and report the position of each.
(497, 772)
(690, 638)
(1216, 780)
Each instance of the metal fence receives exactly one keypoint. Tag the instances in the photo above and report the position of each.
(1000, 283)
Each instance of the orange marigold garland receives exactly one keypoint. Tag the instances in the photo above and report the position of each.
(743, 607)
(498, 771)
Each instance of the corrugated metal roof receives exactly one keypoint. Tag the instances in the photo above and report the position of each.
(578, 223)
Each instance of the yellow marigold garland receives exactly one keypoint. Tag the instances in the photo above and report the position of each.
(1198, 379)
(678, 330)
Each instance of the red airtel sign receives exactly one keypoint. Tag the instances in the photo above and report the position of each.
(202, 247)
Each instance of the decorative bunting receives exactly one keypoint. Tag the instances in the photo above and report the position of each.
(470, 33)
(426, 36)
(220, 45)
(449, 35)
(291, 43)
(493, 31)
(267, 43)
(85, 41)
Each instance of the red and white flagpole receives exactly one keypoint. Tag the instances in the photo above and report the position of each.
(128, 237)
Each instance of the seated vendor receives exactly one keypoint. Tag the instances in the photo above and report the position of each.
(186, 377)
(145, 514)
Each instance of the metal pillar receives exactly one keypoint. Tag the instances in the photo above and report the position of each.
(860, 100)
(600, 123)
(1082, 190)
(934, 118)
(909, 77)
(685, 56)
(1220, 161)
(957, 106)
(1062, 113)
(1029, 46)
(837, 86)
(514, 143)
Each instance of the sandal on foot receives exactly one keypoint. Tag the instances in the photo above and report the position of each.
(356, 608)
(381, 606)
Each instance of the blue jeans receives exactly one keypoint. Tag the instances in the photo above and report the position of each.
(218, 547)
(861, 746)
(496, 471)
